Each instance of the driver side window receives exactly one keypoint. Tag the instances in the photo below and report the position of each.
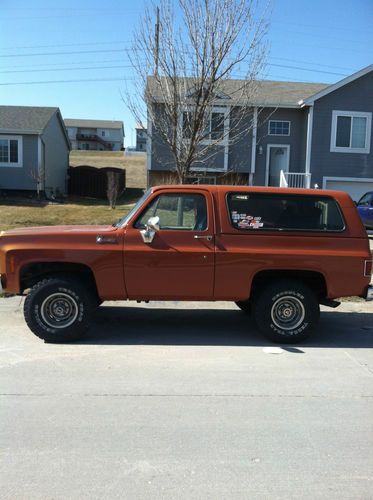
(187, 212)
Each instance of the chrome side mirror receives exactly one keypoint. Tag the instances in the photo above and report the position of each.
(153, 223)
(151, 228)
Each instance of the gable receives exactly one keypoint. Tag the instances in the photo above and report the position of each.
(25, 119)
(354, 96)
(342, 83)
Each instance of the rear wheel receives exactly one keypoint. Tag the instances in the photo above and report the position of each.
(286, 312)
(59, 309)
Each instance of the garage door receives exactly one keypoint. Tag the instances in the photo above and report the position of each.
(355, 188)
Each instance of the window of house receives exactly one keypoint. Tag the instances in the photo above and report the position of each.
(215, 125)
(177, 211)
(350, 132)
(277, 212)
(278, 127)
(10, 151)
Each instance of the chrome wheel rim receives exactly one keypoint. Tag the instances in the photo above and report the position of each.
(288, 312)
(59, 310)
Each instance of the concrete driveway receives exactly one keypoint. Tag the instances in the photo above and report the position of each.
(185, 401)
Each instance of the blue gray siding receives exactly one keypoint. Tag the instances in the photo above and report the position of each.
(22, 177)
(296, 140)
(355, 96)
(56, 157)
(239, 151)
(239, 159)
(48, 154)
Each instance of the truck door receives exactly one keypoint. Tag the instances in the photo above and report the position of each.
(365, 209)
(179, 261)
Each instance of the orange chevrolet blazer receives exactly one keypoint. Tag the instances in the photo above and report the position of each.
(277, 253)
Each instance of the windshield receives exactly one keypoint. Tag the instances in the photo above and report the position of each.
(124, 220)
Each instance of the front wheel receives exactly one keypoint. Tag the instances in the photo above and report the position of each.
(58, 309)
(286, 312)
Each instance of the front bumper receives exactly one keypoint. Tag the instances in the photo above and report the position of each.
(369, 295)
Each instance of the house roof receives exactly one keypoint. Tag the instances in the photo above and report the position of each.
(79, 123)
(331, 88)
(25, 119)
(266, 93)
(284, 93)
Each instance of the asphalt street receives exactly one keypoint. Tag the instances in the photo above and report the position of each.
(187, 401)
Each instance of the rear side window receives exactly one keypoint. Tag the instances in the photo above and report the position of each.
(257, 211)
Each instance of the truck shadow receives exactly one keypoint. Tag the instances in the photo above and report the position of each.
(214, 327)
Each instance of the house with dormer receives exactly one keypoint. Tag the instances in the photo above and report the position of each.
(297, 134)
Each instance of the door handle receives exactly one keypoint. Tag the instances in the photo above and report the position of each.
(197, 237)
(105, 240)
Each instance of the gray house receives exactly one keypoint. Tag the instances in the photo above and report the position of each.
(96, 135)
(34, 149)
(141, 138)
(297, 134)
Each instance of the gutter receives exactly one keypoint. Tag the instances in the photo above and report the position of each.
(307, 167)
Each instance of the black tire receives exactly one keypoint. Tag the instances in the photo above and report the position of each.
(245, 306)
(58, 309)
(286, 312)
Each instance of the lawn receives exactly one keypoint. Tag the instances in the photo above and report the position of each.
(23, 213)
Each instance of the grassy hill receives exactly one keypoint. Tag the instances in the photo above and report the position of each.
(135, 164)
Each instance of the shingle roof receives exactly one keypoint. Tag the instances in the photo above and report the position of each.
(25, 118)
(285, 93)
(72, 122)
(267, 92)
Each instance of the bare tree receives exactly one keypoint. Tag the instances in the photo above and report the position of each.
(194, 52)
(38, 176)
(113, 187)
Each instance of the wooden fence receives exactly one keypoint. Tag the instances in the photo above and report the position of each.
(93, 182)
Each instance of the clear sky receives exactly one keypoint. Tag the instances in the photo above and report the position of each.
(61, 42)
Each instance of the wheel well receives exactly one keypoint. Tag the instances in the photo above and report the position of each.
(32, 273)
(314, 280)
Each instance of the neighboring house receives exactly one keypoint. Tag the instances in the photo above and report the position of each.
(140, 138)
(34, 149)
(315, 133)
(96, 135)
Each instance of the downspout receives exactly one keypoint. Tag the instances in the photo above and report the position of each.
(253, 147)
(41, 165)
(307, 168)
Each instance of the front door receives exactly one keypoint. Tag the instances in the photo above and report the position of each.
(179, 263)
(277, 160)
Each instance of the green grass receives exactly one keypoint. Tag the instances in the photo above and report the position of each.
(24, 213)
